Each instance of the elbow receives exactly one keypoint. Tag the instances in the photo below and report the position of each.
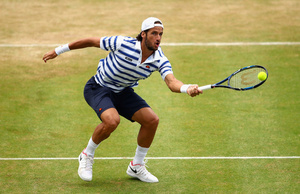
(92, 42)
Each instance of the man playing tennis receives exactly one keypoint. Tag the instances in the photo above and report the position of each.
(110, 91)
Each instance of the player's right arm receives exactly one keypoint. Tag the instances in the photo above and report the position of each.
(79, 44)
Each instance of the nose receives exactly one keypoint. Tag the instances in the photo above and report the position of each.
(158, 37)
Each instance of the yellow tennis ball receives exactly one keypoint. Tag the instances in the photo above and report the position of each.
(262, 76)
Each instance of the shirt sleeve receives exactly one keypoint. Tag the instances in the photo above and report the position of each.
(165, 68)
(111, 43)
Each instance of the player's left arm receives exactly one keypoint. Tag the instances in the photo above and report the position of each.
(79, 44)
(177, 86)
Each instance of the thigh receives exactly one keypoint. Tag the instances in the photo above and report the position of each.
(145, 116)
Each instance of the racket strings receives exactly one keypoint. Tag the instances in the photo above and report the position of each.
(246, 78)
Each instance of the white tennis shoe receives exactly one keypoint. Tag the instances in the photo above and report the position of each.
(85, 170)
(139, 171)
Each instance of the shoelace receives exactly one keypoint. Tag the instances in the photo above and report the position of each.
(144, 171)
(89, 161)
(143, 168)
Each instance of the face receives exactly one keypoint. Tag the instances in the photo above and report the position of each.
(152, 38)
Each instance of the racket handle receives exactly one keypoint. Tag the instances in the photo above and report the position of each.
(204, 87)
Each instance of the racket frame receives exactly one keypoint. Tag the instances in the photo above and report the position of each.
(218, 85)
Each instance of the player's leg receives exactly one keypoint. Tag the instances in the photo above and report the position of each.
(99, 99)
(110, 121)
(149, 122)
(134, 108)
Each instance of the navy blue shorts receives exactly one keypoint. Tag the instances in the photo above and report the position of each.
(101, 98)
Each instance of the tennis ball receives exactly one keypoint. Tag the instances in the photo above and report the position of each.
(262, 76)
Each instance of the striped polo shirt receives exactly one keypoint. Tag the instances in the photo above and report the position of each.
(122, 67)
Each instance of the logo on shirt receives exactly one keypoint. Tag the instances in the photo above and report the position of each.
(127, 58)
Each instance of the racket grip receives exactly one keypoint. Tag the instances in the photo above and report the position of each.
(204, 87)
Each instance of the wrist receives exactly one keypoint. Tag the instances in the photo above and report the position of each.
(184, 88)
(62, 49)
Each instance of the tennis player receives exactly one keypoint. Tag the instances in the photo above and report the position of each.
(110, 92)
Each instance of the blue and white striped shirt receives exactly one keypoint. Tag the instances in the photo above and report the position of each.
(122, 67)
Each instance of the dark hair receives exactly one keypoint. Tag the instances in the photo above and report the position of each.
(139, 36)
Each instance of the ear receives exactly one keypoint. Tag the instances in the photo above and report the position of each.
(143, 34)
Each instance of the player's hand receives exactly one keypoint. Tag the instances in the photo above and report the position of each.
(49, 55)
(193, 91)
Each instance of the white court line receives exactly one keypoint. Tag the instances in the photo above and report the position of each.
(167, 158)
(231, 44)
(179, 44)
(29, 45)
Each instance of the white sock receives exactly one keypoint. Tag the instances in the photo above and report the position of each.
(140, 155)
(91, 148)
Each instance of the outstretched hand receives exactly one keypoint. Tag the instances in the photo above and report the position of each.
(49, 55)
(194, 91)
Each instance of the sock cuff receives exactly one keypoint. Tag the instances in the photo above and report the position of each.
(141, 149)
(92, 143)
(91, 148)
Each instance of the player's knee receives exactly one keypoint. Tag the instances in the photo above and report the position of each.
(113, 123)
(110, 125)
(153, 120)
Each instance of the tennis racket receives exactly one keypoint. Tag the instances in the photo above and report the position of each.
(243, 79)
